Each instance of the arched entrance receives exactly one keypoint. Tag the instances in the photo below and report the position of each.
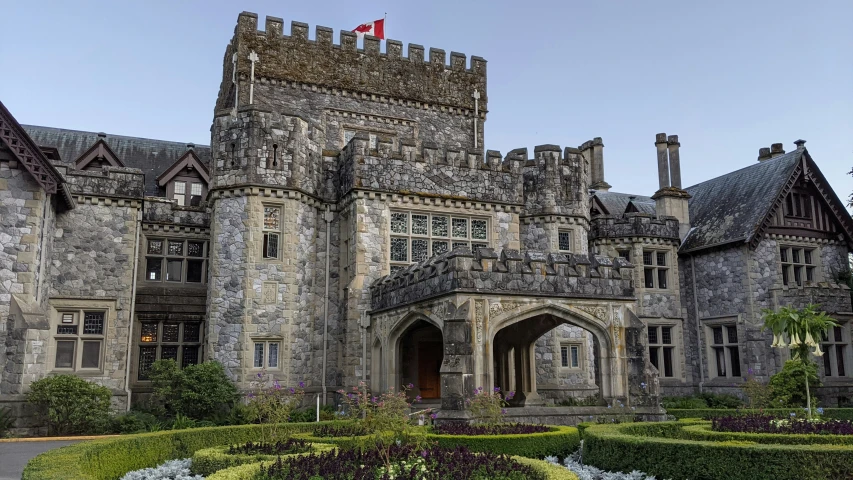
(513, 364)
(419, 354)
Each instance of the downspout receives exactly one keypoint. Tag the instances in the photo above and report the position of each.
(698, 328)
(133, 303)
(327, 216)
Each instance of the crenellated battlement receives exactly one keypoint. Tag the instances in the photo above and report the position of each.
(508, 272)
(634, 225)
(320, 61)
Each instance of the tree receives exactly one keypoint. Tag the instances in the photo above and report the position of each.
(804, 329)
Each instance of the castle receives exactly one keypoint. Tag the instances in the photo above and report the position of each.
(346, 225)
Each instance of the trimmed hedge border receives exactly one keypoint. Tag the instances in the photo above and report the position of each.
(703, 432)
(111, 458)
(551, 472)
(209, 460)
(560, 441)
(639, 446)
(709, 413)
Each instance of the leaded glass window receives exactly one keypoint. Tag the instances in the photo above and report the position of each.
(184, 260)
(79, 340)
(168, 340)
(416, 236)
(272, 232)
(565, 240)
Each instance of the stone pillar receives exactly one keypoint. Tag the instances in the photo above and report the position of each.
(643, 378)
(597, 166)
(663, 163)
(674, 161)
(457, 368)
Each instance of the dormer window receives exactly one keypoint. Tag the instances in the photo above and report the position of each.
(185, 181)
(180, 192)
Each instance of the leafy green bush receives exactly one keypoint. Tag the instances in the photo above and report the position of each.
(136, 421)
(704, 400)
(721, 400)
(690, 402)
(111, 458)
(789, 387)
(560, 441)
(758, 394)
(200, 392)
(71, 405)
(209, 460)
(655, 449)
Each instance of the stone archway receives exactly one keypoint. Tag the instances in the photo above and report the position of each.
(413, 355)
(512, 357)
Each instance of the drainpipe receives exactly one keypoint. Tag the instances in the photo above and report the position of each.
(133, 304)
(698, 328)
(327, 216)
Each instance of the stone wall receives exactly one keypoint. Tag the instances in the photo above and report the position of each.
(167, 212)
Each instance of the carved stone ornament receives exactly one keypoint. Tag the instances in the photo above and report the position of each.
(479, 318)
(498, 308)
(597, 312)
(269, 293)
(451, 360)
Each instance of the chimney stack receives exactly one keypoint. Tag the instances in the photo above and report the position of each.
(663, 163)
(102, 135)
(776, 150)
(763, 154)
(801, 144)
(597, 166)
(674, 161)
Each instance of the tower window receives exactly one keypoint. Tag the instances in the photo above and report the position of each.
(565, 240)
(655, 269)
(272, 232)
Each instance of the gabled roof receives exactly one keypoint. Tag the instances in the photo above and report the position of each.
(153, 157)
(618, 203)
(31, 157)
(737, 207)
(100, 150)
(189, 159)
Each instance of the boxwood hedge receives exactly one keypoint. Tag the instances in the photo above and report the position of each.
(551, 472)
(109, 459)
(709, 413)
(209, 460)
(656, 449)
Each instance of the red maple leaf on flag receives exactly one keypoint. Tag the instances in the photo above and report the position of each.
(363, 28)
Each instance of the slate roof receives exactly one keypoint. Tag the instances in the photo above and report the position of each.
(153, 157)
(730, 208)
(616, 202)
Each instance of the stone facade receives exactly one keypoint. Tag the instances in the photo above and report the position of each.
(349, 226)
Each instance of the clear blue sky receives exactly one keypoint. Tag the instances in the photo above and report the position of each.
(727, 76)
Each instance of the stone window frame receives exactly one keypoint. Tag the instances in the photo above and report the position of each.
(568, 344)
(661, 346)
(430, 237)
(570, 238)
(624, 253)
(657, 268)
(164, 257)
(268, 232)
(266, 342)
(710, 346)
(79, 307)
(158, 344)
(788, 267)
(831, 345)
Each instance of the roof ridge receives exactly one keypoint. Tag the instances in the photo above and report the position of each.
(112, 135)
(766, 162)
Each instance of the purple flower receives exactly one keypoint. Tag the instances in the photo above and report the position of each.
(251, 395)
(301, 384)
(418, 398)
(479, 389)
(292, 390)
(373, 399)
(411, 385)
(497, 389)
(510, 395)
(424, 453)
(503, 411)
(433, 416)
(259, 374)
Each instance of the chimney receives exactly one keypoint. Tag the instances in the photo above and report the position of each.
(102, 135)
(674, 161)
(597, 166)
(663, 163)
(190, 146)
(671, 200)
(801, 144)
(776, 150)
(763, 154)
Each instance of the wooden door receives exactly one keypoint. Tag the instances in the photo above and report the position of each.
(430, 355)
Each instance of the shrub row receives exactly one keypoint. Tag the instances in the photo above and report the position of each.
(703, 432)
(559, 441)
(209, 460)
(627, 447)
(551, 472)
(111, 458)
(709, 413)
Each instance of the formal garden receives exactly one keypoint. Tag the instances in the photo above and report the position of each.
(196, 426)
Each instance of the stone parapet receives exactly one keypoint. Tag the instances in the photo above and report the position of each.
(163, 211)
(321, 62)
(510, 272)
(114, 182)
(831, 297)
(633, 225)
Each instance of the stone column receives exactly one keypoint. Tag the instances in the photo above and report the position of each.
(457, 368)
(674, 161)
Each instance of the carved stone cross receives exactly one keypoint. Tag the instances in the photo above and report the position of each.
(253, 57)
(476, 96)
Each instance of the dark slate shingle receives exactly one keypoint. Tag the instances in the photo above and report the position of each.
(153, 157)
(730, 208)
(616, 202)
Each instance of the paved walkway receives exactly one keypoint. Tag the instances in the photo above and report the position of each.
(15, 455)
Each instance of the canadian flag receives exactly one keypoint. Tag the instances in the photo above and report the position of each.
(375, 28)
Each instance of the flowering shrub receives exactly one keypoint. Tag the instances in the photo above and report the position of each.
(489, 429)
(771, 424)
(354, 403)
(278, 448)
(332, 431)
(489, 407)
(270, 404)
(171, 470)
(407, 462)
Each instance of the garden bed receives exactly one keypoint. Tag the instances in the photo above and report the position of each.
(111, 458)
(209, 460)
(434, 462)
(667, 451)
(709, 413)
